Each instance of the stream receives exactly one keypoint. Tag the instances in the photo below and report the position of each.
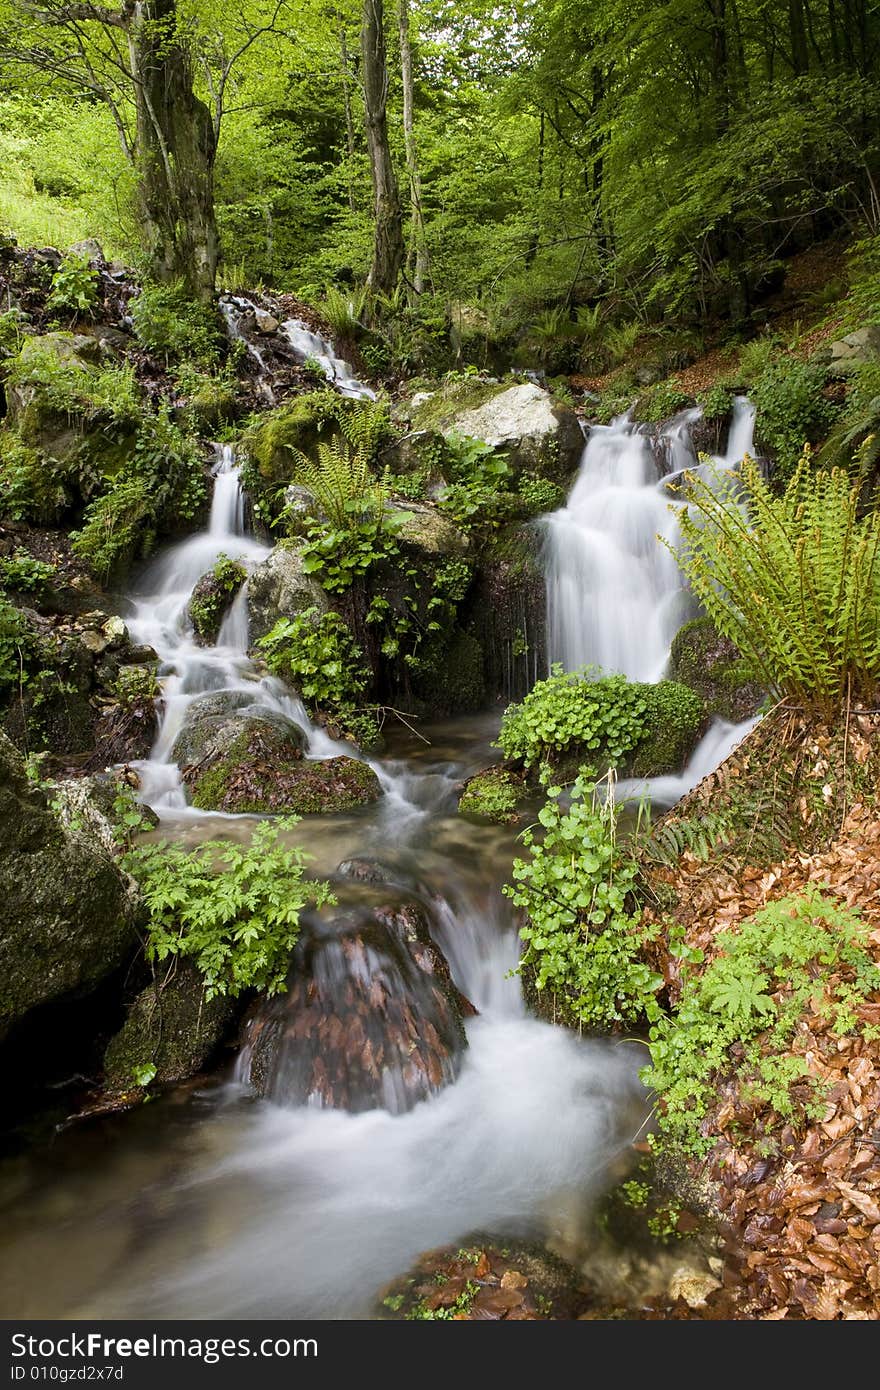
(211, 1202)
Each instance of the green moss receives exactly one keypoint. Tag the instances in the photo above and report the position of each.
(263, 774)
(271, 440)
(212, 596)
(673, 718)
(453, 681)
(494, 795)
(712, 666)
(441, 410)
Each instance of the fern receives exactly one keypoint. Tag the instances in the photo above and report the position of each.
(793, 581)
(340, 480)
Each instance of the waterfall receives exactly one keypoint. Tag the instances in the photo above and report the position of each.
(615, 594)
(308, 344)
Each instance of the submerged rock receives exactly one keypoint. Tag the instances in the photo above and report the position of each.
(370, 1019)
(66, 910)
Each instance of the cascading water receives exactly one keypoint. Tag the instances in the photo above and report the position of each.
(615, 594)
(308, 344)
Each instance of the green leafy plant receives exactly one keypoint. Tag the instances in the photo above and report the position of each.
(212, 593)
(22, 574)
(603, 718)
(739, 1018)
(791, 580)
(233, 910)
(318, 655)
(791, 410)
(16, 647)
(176, 327)
(74, 287)
(583, 943)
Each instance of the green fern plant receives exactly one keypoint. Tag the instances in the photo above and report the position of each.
(340, 480)
(794, 580)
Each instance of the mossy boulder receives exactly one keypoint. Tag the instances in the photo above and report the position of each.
(495, 794)
(535, 433)
(212, 597)
(256, 766)
(170, 1027)
(273, 440)
(712, 666)
(673, 721)
(66, 911)
(427, 534)
(280, 588)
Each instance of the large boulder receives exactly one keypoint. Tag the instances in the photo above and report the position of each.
(863, 345)
(536, 434)
(280, 588)
(370, 1017)
(66, 911)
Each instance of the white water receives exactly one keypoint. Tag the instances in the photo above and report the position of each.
(615, 594)
(308, 344)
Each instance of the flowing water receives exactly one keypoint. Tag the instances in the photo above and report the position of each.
(211, 1202)
(615, 595)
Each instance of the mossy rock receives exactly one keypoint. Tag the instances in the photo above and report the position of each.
(66, 910)
(495, 795)
(454, 682)
(262, 771)
(212, 597)
(674, 719)
(171, 1027)
(272, 440)
(712, 666)
(280, 588)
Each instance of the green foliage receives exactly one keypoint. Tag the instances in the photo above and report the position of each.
(796, 587)
(71, 387)
(318, 655)
(739, 1017)
(22, 574)
(175, 327)
(715, 403)
(340, 481)
(492, 795)
(539, 495)
(338, 556)
(583, 943)
(11, 331)
(160, 485)
(136, 686)
(212, 593)
(344, 311)
(16, 647)
(791, 410)
(233, 910)
(74, 288)
(479, 480)
(661, 402)
(602, 718)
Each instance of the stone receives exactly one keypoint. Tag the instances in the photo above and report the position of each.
(429, 532)
(95, 642)
(692, 1285)
(280, 588)
(88, 250)
(536, 434)
(712, 666)
(66, 910)
(170, 1026)
(266, 322)
(213, 723)
(861, 346)
(370, 1018)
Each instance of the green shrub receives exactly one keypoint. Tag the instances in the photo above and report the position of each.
(478, 493)
(602, 718)
(796, 588)
(791, 410)
(22, 574)
(16, 647)
(71, 387)
(318, 655)
(715, 403)
(539, 495)
(582, 941)
(233, 910)
(175, 327)
(74, 288)
(740, 1017)
(212, 593)
(661, 402)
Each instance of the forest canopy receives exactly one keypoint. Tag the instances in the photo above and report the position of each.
(649, 158)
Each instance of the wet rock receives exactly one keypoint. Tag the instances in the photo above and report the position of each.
(365, 871)
(280, 588)
(66, 911)
(170, 1027)
(673, 721)
(692, 1285)
(709, 664)
(213, 722)
(495, 794)
(265, 322)
(212, 596)
(370, 1018)
(487, 1277)
(255, 765)
(510, 606)
(428, 532)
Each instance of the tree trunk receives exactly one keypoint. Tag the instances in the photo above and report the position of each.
(420, 245)
(388, 247)
(175, 152)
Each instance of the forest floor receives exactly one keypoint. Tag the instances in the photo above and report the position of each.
(800, 1228)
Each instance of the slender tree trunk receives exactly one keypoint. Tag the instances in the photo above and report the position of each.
(388, 249)
(419, 241)
(349, 115)
(797, 29)
(175, 152)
